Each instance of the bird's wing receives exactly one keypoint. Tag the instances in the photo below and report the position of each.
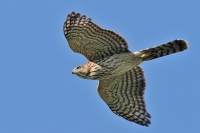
(87, 38)
(124, 96)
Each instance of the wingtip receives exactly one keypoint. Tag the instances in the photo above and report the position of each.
(73, 13)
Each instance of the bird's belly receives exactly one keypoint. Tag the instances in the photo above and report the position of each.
(117, 64)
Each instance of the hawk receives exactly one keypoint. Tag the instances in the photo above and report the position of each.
(121, 79)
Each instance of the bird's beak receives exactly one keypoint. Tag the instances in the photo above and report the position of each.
(73, 72)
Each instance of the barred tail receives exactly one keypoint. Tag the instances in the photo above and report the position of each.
(163, 50)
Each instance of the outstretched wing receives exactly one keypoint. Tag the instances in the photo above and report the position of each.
(89, 39)
(124, 96)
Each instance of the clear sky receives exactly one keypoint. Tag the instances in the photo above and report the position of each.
(38, 93)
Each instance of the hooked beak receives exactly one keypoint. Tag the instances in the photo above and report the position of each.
(73, 71)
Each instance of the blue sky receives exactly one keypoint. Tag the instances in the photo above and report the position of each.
(38, 93)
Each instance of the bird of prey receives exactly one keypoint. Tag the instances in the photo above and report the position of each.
(121, 79)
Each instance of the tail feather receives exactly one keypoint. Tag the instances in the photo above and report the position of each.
(163, 50)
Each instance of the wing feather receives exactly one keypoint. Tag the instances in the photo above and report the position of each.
(87, 38)
(124, 96)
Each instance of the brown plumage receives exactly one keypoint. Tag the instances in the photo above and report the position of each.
(121, 79)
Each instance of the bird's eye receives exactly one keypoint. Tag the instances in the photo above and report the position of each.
(78, 67)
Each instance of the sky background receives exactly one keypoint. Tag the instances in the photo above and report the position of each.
(38, 93)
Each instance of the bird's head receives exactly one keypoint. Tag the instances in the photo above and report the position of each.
(80, 71)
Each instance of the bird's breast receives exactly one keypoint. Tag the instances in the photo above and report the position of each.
(115, 65)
